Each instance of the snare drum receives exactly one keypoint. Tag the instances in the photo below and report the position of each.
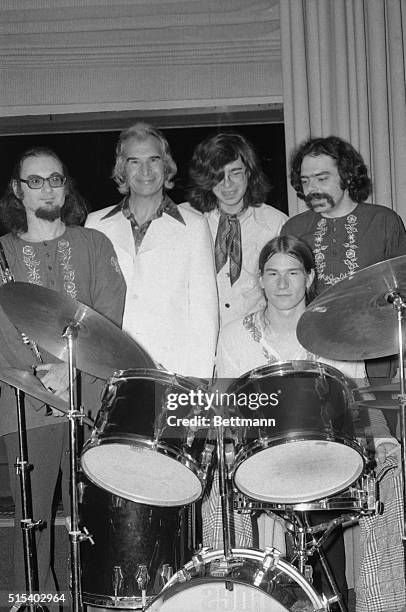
(143, 447)
(298, 446)
(134, 549)
(251, 580)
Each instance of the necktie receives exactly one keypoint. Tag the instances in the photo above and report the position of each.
(228, 245)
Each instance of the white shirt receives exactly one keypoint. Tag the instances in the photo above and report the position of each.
(258, 226)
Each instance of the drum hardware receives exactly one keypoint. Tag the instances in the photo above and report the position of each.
(261, 580)
(311, 434)
(143, 451)
(117, 582)
(347, 316)
(28, 526)
(305, 549)
(102, 347)
(135, 550)
(362, 498)
(70, 334)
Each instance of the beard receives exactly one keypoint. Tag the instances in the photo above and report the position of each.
(315, 200)
(48, 213)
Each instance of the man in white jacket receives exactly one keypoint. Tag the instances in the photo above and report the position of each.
(165, 253)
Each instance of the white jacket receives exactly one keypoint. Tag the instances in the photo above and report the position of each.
(171, 305)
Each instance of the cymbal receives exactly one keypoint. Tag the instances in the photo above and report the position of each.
(43, 314)
(31, 385)
(378, 404)
(388, 388)
(353, 320)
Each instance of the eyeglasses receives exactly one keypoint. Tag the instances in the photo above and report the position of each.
(37, 182)
(236, 175)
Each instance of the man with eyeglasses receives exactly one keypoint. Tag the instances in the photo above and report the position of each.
(46, 246)
(165, 253)
(229, 187)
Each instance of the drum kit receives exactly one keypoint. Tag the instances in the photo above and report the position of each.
(127, 542)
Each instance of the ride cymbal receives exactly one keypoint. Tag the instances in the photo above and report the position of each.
(43, 314)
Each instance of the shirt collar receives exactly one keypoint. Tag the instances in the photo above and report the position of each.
(243, 214)
(167, 206)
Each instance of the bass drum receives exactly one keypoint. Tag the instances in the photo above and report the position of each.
(135, 549)
(253, 580)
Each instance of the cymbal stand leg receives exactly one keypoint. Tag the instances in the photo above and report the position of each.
(75, 536)
(28, 526)
(316, 547)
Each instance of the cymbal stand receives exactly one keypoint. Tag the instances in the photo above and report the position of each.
(303, 551)
(70, 334)
(399, 304)
(222, 468)
(28, 526)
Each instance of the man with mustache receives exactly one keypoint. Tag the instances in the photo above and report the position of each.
(345, 233)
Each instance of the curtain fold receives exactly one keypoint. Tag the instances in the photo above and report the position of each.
(344, 73)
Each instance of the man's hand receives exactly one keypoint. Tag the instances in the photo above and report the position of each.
(55, 380)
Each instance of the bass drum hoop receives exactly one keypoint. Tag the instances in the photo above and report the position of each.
(174, 585)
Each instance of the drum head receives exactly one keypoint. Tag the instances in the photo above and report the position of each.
(298, 471)
(207, 595)
(142, 475)
(300, 446)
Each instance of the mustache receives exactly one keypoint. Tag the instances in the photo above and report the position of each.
(312, 198)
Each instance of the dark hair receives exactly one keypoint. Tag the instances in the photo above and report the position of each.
(12, 211)
(207, 170)
(141, 131)
(351, 167)
(300, 250)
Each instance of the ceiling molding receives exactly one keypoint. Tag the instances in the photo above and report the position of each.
(113, 121)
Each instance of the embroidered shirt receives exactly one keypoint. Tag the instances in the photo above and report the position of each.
(344, 245)
(80, 263)
(139, 231)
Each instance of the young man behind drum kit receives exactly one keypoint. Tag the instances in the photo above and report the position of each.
(268, 336)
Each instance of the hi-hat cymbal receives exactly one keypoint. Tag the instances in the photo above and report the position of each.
(388, 388)
(27, 382)
(43, 314)
(354, 319)
(378, 404)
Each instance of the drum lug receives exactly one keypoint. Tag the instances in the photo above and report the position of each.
(142, 577)
(166, 573)
(117, 580)
(183, 575)
(271, 560)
